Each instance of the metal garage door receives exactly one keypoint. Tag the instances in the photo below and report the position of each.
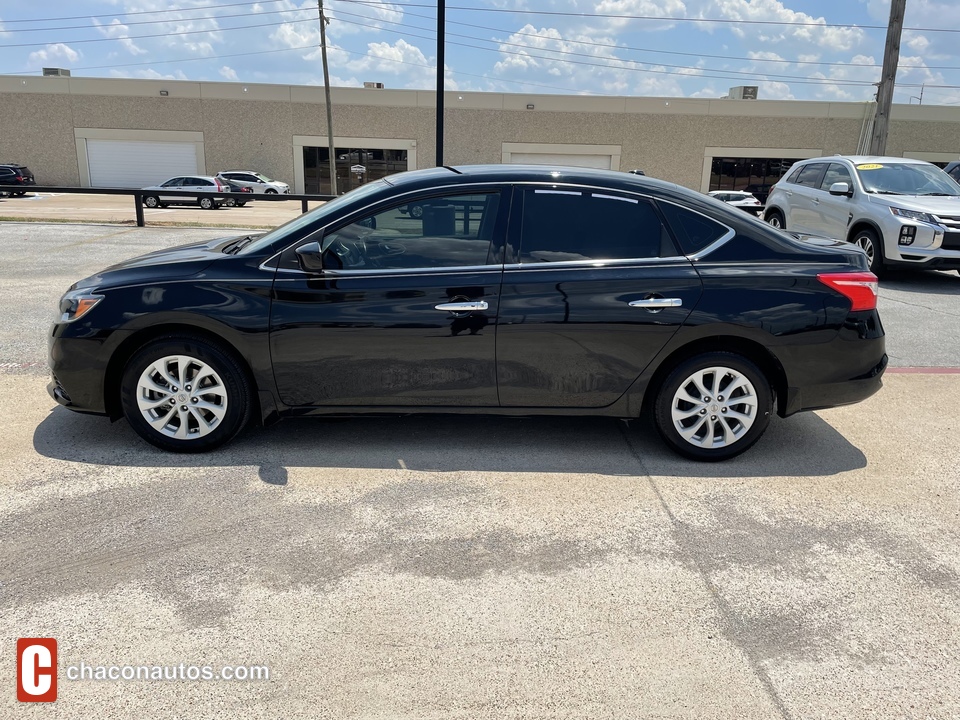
(136, 163)
(602, 162)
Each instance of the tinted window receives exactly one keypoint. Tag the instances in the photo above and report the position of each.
(955, 172)
(173, 182)
(905, 179)
(6, 172)
(810, 175)
(836, 173)
(792, 177)
(567, 225)
(454, 231)
(693, 231)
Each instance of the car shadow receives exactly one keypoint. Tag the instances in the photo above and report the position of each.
(799, 446)
(921, 281)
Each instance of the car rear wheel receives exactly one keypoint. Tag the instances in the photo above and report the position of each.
(206, 203)
(713, 406)
(775, 219)
(151, 201)
(185, 394)
(867, 240)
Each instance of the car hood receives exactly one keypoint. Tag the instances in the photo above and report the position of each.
(169, 264)
(937, 205)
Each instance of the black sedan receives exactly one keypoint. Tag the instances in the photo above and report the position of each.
(518, 291)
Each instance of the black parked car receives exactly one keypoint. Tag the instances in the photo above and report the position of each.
(19, 176)
(520, 291)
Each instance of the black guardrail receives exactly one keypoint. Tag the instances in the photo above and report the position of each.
(138, 195)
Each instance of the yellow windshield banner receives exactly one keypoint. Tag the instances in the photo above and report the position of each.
(869, 166)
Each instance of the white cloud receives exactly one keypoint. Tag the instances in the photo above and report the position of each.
(229, 73)
(54, 53)
(149, 74)
(812, 33)
(121, 32)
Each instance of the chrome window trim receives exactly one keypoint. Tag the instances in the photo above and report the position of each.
(596, 264)
(453, 269)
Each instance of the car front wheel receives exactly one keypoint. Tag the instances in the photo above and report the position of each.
(185, 394)
(151, 201)
(206, 203)
(713, 406)
(867, 240)
(270, 191)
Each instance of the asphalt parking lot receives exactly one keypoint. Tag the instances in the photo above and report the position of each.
(473, 568)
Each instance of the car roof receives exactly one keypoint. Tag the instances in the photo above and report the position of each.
(248, 172)
(866, 159)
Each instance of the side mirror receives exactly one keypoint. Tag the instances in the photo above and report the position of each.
(841, 188)
(310, 257)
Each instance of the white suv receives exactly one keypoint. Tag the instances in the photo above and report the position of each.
(899, 211)
(258, 182)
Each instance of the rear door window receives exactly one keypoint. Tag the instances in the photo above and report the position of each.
(562, 225)
(810, 175)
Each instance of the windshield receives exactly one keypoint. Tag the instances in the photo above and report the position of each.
(906, 179)
(314, 217)
(264, 177)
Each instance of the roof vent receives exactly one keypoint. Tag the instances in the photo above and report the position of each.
(56, 72)
(743, 92)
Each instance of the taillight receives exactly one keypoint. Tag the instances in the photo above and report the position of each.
(219, 186)
(860, 288)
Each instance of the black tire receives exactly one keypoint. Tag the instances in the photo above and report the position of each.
(240, 204)
(163, 205)
(713, 413)
(269, 191)
(230, 202)
(232, 394)
(206, 203)
(775, 219)
(868, 241)
(151, 201)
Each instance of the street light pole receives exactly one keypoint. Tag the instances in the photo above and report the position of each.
(326, 92)
(441, 24)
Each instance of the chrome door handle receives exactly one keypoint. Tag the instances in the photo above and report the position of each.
(656, 303)
(462, 306)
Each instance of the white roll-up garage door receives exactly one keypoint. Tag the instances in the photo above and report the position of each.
(138, 163)
(601, 162)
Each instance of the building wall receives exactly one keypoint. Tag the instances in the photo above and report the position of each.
(253, 126)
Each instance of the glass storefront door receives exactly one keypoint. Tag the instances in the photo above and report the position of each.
(376, 164)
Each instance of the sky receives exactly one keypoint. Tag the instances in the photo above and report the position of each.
(791, 49)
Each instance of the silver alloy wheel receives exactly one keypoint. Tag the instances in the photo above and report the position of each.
(150, 201)
(206, 203)
(865, 242)
(714, 407)
(181, 397)
(774, 221)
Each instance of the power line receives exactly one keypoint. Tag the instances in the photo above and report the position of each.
(155, 35)
(699, 71)
(143, 12)
(164, 21)
(736, 74)
(662, 18)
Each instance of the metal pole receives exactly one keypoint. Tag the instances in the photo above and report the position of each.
(326, 92)
(891, 58)
(441, 12)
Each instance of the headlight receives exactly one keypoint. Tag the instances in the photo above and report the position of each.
(914, 215)
(77, 303)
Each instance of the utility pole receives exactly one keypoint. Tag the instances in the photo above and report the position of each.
(441, 24)
(326, 92)
(891, 58)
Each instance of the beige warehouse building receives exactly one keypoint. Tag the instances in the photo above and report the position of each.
(98, 132)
